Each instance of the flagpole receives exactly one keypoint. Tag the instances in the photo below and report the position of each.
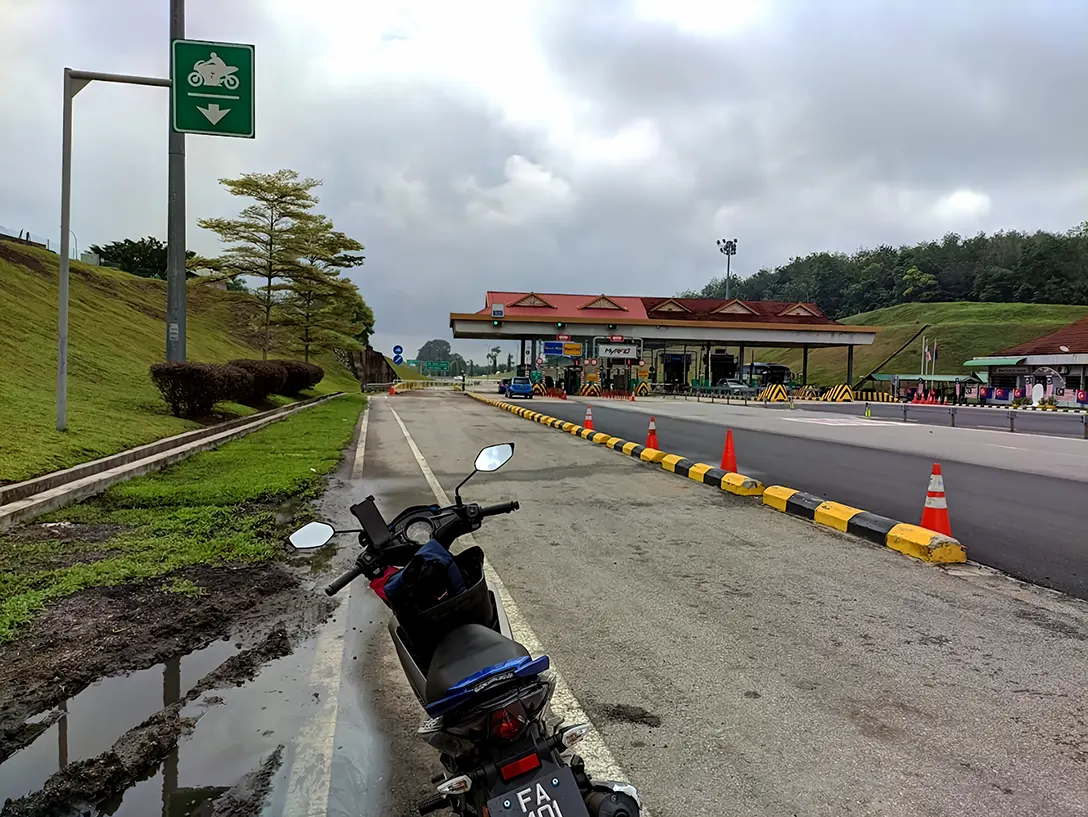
(922, 370)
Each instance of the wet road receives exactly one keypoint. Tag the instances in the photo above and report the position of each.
(788, 669)
(1028, 525)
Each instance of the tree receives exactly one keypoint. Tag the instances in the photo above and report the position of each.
(920, 286)
(321, 309)
(436, 349)
(145, 257)
(493, 357)
(267, 239)
(510, 362)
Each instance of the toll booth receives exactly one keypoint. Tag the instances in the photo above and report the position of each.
(572, 379)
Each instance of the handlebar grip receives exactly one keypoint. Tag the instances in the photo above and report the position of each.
(502, 507)
(344, 580)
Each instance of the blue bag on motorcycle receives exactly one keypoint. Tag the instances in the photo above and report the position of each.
(430, 577)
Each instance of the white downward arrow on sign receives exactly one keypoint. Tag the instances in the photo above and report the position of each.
(214, 112)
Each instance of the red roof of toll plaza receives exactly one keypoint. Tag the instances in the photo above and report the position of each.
(1073, 337)
(622, 308)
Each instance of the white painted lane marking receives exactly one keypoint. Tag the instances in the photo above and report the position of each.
(310, 777)
(600, 761)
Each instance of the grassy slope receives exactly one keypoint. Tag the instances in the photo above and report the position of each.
(116, 330)
(963, 331)
(225, 505)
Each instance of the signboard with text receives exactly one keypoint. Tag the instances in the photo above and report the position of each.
(618, 350)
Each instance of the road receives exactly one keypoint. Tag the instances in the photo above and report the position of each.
(734, 660)
(1029, 525)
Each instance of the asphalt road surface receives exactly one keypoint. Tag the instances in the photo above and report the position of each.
(733, 660)
(1026, 524)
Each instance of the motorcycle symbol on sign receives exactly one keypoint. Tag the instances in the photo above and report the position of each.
(213, 72)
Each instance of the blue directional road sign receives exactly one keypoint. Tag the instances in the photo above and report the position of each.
(553, 348)
(398, 350)
(398, 359)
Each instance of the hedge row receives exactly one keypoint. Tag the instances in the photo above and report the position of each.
(191, 389)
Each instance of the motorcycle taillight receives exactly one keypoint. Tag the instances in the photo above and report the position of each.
(509, 722)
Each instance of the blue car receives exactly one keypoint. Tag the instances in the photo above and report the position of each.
(520, 387)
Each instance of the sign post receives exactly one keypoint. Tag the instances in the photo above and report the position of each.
(212, 88)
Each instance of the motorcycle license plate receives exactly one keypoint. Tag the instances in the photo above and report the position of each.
(554, 794)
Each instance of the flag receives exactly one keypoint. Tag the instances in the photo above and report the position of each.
(926, 352)
(934, 350)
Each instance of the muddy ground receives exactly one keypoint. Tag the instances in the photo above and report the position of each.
(260, 610)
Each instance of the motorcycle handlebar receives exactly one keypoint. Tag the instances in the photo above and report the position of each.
(344, 580)
(502, 507)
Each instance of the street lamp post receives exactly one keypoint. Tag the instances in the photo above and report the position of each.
(728, 248)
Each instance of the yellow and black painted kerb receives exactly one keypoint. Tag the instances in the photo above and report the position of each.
(774, 393)
(911, 540)
(870, 396)
(841, 393)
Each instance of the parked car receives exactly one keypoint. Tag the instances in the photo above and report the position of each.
(520, 387)
(736, 388)
(503, 384)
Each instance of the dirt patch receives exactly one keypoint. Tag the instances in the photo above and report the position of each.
(64, 532)
(136, 754)
(626, 713)
(15, 256)
(110, 630)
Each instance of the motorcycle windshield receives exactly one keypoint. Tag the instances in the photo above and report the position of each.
(485, 680)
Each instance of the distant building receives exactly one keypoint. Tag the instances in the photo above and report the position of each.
(1058, 362)
(90, 258)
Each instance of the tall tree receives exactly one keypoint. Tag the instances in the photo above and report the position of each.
(267, 239)
(145, 257)
(493, 357)
(321, 309)
(436, 349)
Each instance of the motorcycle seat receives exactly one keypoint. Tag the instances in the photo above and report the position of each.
(466, 650)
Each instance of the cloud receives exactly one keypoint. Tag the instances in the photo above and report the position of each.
(572, 146)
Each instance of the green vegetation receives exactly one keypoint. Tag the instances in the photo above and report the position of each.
(233, 504)
(1038, 268)
(404, 371)
(116, 328)
(962, 331)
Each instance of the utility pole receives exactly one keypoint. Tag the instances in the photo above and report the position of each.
(728, 248)
(175, 217)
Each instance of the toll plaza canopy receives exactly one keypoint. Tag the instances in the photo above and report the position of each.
(662, 324)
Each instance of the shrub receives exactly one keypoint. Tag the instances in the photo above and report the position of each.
(269, 377)
(300, 376)
(190, 389)
(238, 382)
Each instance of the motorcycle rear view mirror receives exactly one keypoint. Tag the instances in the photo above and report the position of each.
(494, 457)
(491, 458)
(311, 536)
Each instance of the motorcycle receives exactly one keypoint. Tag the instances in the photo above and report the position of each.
(213, 72)
(487, 700)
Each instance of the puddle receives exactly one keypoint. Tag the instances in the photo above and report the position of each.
(92, 720)
(231, 739)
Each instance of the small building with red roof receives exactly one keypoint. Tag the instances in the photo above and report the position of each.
(674, 339)
(1058, 362)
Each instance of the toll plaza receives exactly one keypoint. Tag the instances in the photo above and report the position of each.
(626, 343)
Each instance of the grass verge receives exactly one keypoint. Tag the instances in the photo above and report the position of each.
(230, 505)
(116, 325)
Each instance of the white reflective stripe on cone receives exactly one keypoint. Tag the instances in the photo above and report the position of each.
(936, 483)
(936, 502)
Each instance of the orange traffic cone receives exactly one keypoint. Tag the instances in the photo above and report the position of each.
(729, 457)
(935, 513)
(588, 422)
(392, 390)
(651, 434)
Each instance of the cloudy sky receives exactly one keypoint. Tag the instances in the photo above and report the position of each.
(571, 145)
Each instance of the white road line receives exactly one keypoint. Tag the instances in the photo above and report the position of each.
(310, 776)
(599, 759)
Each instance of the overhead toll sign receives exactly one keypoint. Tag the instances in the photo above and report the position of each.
(621, 350)
(558, 348)
(212, 88)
